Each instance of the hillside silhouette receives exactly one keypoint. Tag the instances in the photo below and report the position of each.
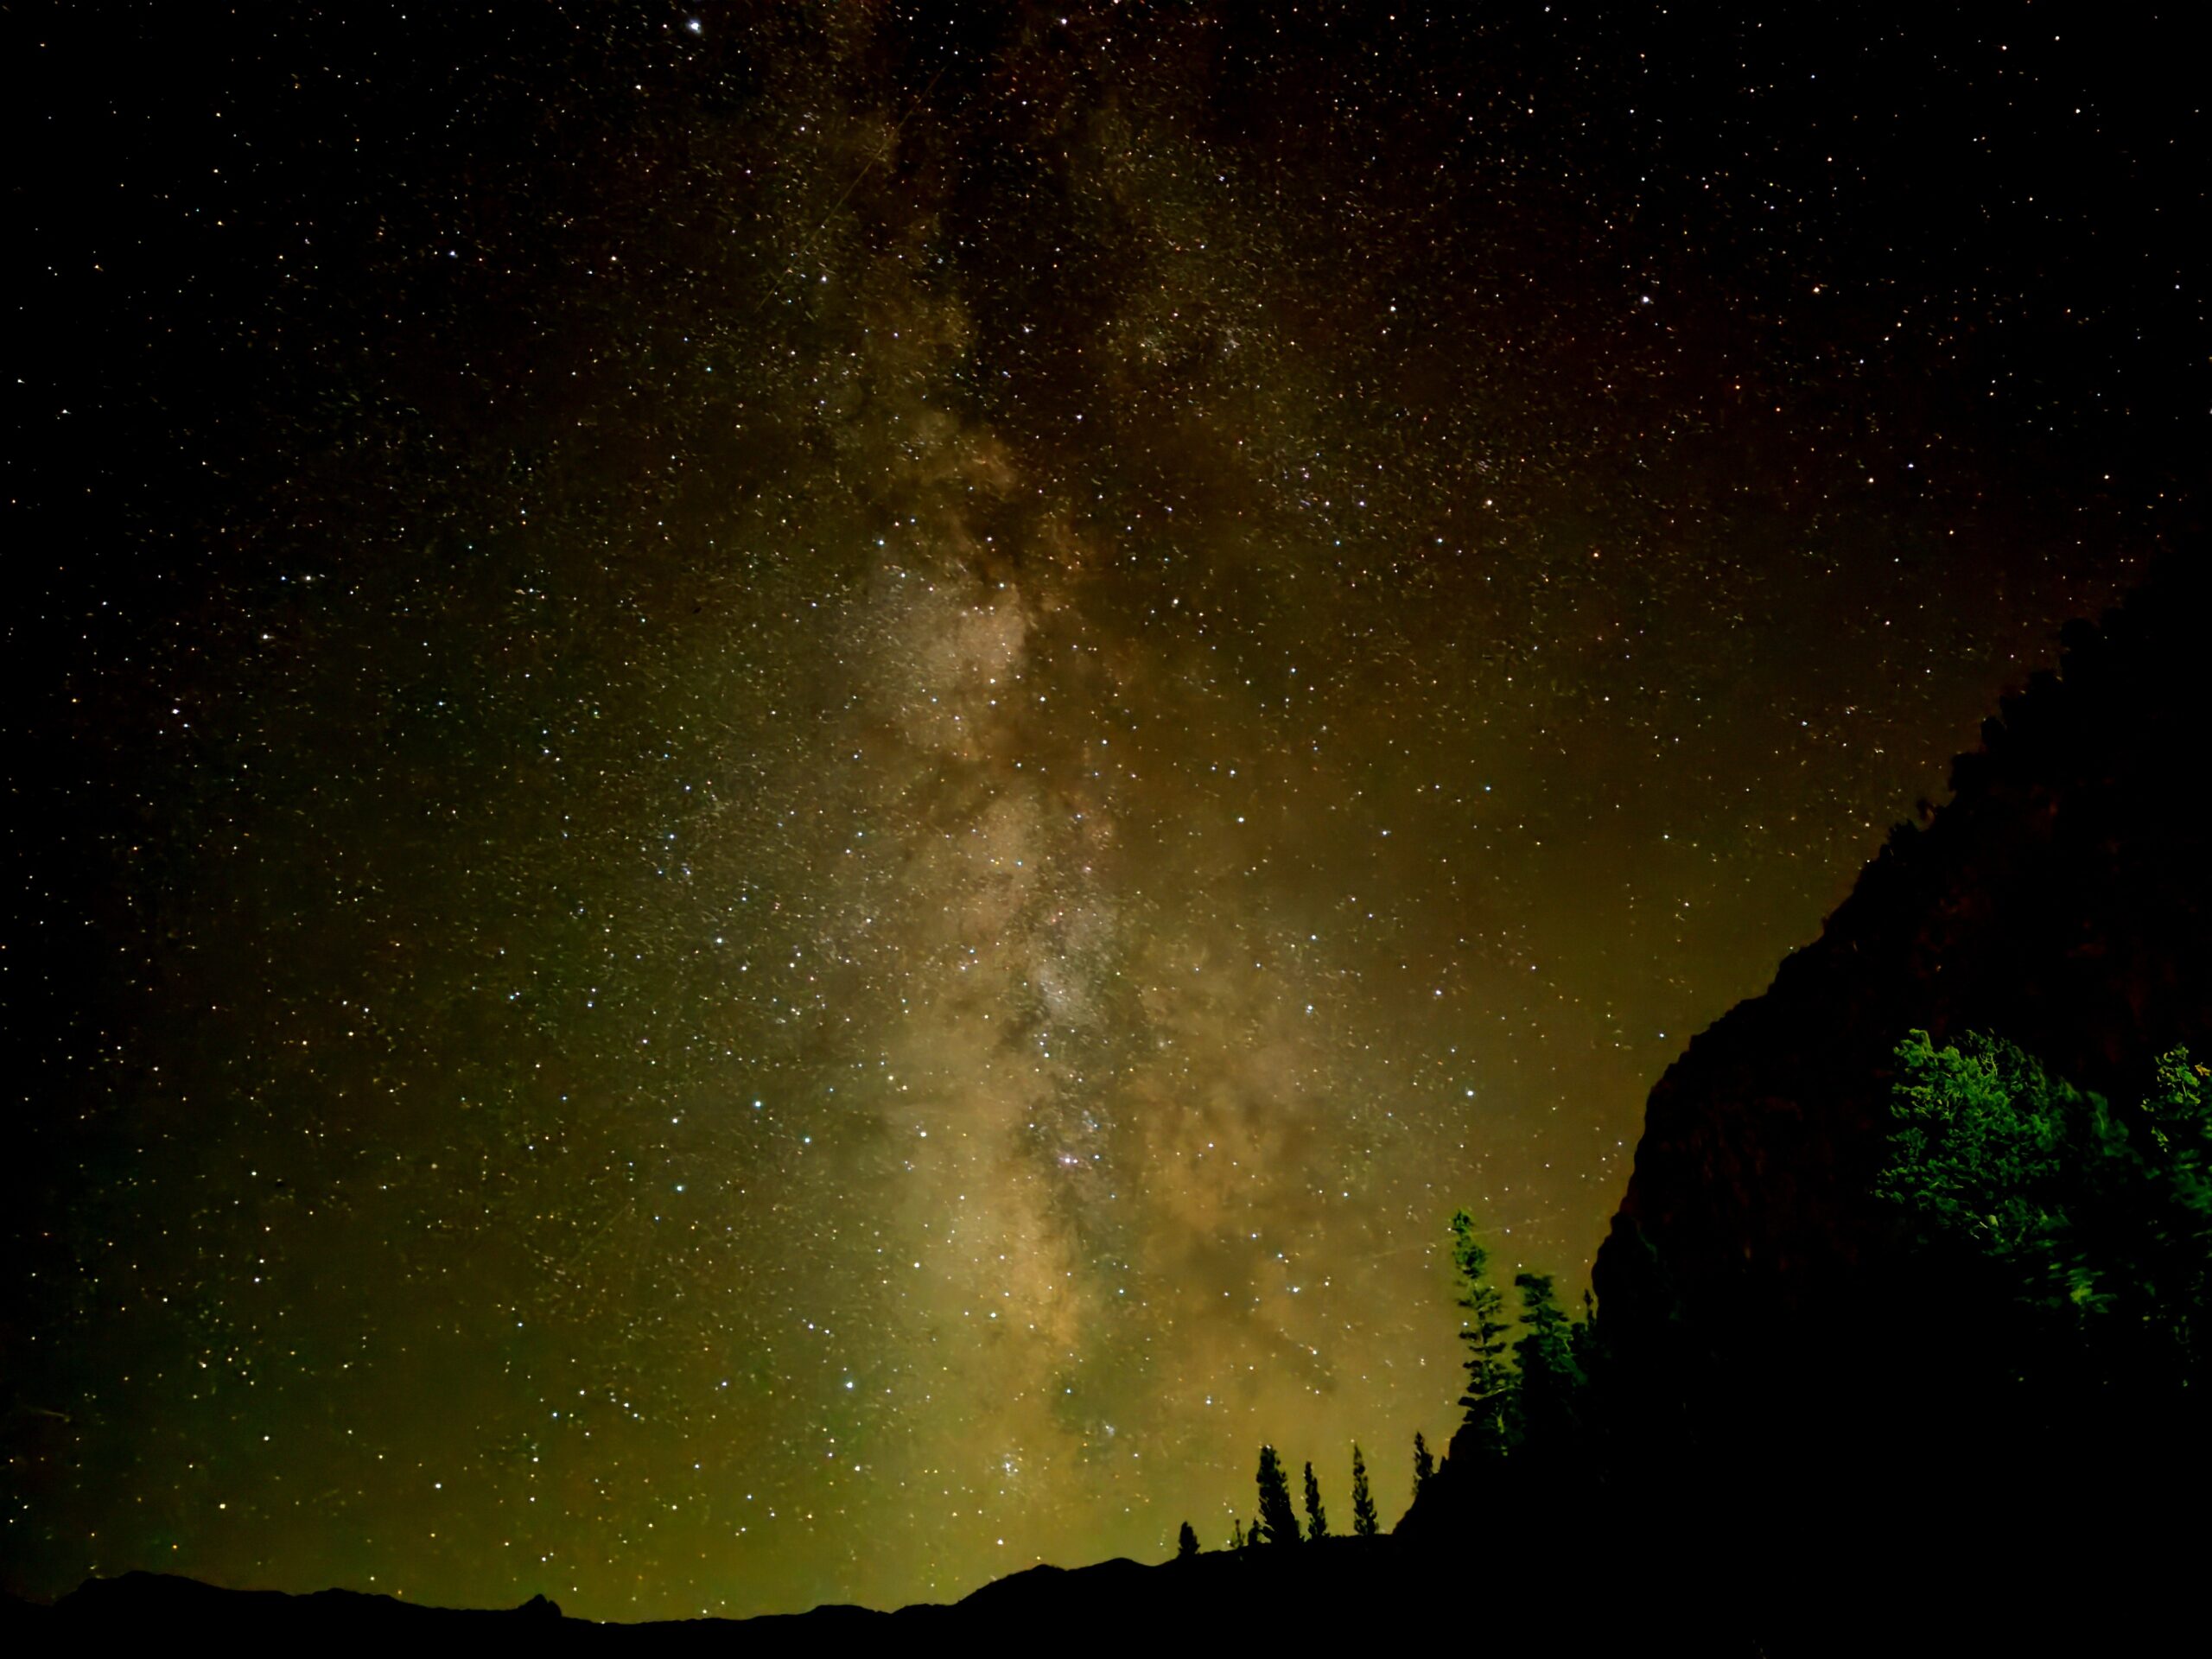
(1806, 1398)
(1342, 1588)
(2063, 896)
(1832, 1406)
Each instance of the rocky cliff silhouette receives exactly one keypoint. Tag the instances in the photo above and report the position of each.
(1797, 1405)
(2063, 899)
(1794, 1411)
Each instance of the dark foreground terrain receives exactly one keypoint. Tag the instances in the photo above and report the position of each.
(1338, 1587)
(1691, 1585)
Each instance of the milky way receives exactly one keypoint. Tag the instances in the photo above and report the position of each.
(816, 777)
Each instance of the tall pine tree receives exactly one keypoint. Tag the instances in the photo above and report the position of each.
(1489, 1397)
(1317, 1524)
(1363, 1522)
(1549, 1375)
(1424, 1466)
(1278, 1522)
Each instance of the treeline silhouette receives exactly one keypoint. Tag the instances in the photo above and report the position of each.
(1277, 1522)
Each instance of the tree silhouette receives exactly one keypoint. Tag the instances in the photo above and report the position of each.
(1236, 1533)
(1317, 1524)
(1582, 1339)
(1490, 1380)
(1278, 1522)
(1186, 1542)
(1550, 1378)
(1424, 1466)
(1363, 1522)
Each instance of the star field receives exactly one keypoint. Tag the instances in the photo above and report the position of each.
(796, 787)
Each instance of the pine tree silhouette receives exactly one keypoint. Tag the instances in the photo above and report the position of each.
(1317, 1524)
(1424, 1465)
(1488, 1398)
(1278, 1522)
(1236, 1533)
(1550, 1378)
(1186, 1542)
(1363, 1522)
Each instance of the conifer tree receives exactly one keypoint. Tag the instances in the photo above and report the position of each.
(1278, 1522)
(1363, 1522)
(1490, 1380)
(1186, 1542)
(1235, 1532)
(1424, 1465)
(1582, 1338)
(1549, 1375)
(1547, 1399)
(1317, 1524)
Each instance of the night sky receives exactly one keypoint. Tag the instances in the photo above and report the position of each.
(792, 787)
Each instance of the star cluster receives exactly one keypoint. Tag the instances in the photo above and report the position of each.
(807, 780)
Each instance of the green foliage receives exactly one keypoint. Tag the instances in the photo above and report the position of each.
(1278, 1522)
(1489, 1379)
(1980, 1137)
(1364, 1523)
(1551, 1377)
(2178, 1116)
(2098, 1217)
(1186, 1542)
(1317, 1524)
